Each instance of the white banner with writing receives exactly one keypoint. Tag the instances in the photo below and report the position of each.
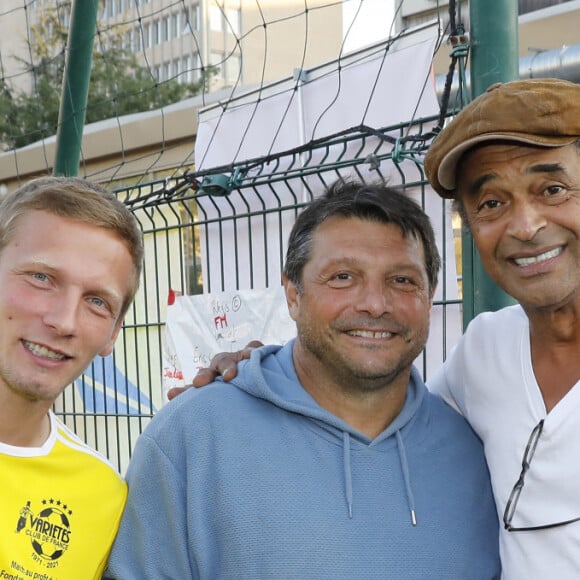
(198, 327)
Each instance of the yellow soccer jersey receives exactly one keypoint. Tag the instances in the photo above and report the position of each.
(60, 507)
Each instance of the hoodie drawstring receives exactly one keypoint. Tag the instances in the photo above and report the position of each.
(347, 471)
(406, 478)
(347, 468)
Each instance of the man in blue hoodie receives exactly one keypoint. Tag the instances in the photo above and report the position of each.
(329, 458)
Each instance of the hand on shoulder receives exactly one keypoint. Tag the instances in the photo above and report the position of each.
(224, 364)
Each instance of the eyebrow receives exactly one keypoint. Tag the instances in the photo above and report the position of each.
(547, 168)
(476, 185)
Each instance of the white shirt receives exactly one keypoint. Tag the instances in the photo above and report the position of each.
(489, 379)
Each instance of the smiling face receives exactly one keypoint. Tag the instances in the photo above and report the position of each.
(362, 313)
(523, 207)
(62, 286)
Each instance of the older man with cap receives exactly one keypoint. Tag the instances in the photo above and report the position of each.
(511, 162)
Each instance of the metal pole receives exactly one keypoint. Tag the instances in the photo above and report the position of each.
(494, 58)
(75, 86)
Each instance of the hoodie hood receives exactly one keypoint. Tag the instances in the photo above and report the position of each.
(270, 375)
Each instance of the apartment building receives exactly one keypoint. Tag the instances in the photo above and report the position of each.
(247, 42)
(250, 42)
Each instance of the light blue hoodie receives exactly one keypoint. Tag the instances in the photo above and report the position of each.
(256, 481)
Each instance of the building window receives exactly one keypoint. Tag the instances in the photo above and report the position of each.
(216, 59)
(176, 26)
(234, 20)
(231, 68)
(155, 32)
(166, 74)
(166, 28)
(191, 68)
(191, 19)
(177, 70)
(186, 73)
(109, 9)
(215, 19)
(137, 39)
(147, 36)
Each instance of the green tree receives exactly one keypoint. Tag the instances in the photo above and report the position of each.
(119, 85)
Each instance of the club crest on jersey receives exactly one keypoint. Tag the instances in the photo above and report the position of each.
(48, 530)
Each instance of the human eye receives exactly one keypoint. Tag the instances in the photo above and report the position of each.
(38, 279)
(555, 193)
(100, 306)
(402, 280)
(489, 205)
(96, 301)
(406, 283)
(340, 279)
(554, 189)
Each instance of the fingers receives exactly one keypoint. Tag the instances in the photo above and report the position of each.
(175, 391)
(204, 377)
(224, 364)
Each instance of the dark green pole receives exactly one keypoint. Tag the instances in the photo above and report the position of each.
(494, 58)
(75, 86)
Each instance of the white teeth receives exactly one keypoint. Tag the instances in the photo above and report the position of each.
(369, 334)
(537, 259)
(43, 351)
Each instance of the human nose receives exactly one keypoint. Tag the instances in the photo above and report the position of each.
(62, 315)
(374, 299)
(526, 220)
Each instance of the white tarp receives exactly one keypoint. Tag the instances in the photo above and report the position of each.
(378, 88)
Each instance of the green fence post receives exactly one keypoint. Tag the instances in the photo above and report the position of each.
(494, 58)
(75, 86)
